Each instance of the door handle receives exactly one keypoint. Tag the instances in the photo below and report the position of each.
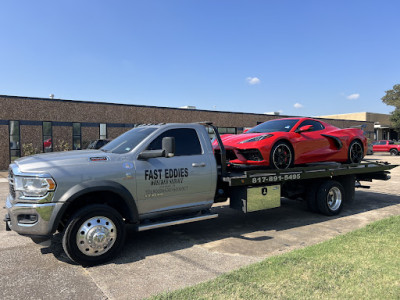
(198, 165)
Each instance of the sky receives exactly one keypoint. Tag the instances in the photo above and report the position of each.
(306, 58)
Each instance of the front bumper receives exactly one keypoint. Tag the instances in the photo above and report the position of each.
(250, 156)
(31, 219)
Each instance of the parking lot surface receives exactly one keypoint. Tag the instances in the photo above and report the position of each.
(170, 258)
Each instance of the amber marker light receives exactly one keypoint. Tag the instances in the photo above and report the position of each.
(51, 183)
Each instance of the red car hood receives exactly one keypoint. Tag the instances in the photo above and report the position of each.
(234, 140)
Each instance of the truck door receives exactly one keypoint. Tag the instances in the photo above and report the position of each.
(173, 183)
(381, 146)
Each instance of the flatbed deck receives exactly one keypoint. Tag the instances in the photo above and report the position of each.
(366, 171)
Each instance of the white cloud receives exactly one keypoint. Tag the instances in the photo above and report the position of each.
(253, 80)
(353, 96)
(298, 105)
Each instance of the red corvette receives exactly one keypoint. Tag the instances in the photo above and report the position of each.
(283, 143)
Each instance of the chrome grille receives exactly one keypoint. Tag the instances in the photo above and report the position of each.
(11, 183)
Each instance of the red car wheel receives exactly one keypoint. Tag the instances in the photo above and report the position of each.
(282, 156)
(356, 152)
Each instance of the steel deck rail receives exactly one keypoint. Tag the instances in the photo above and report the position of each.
(366, 171)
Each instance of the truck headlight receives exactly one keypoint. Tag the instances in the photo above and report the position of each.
(34, 186)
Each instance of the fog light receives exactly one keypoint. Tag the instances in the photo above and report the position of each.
(27, 219)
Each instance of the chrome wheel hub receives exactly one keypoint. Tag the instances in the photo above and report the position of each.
(96, 236)
(334, 198)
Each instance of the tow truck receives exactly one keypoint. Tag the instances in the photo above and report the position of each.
(156, 176)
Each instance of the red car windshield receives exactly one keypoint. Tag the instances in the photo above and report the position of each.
(283, 125)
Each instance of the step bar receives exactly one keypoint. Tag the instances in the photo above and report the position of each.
(176, 222)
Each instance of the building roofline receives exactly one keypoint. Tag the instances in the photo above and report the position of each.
(166, 107)
(131, 105)
(360, 112)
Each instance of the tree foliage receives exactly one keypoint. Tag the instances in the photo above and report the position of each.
(395, 119)
(392, 98)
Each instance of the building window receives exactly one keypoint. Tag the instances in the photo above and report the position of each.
(227, 130)
(103, 131)
(210, 131)
(15, 145)
(76, 136)
(47, 137)
(221, 130)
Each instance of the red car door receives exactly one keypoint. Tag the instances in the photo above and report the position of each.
(380, 146)
(310, 145)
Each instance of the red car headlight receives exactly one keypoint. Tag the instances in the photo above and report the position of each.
(257, 138)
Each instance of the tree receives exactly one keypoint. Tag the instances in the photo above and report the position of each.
(395, 119)
(392, 98)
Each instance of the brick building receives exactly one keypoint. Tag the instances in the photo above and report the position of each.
(51, 124)
(383, 127)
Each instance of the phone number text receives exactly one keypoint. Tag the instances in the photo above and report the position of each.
(264, 179)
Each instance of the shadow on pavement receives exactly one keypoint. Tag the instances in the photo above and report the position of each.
(229, 224)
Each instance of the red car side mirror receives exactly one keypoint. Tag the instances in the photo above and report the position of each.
(244, 131)
(304, 128)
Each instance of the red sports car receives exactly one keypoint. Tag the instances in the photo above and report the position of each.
(283, 143)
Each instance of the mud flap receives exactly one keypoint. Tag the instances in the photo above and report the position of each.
(7, 219)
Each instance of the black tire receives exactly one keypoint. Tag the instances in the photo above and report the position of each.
(394, 152)
(355, 153)
(282, 156)
(330, 198)
(94, 235)
(349, 185)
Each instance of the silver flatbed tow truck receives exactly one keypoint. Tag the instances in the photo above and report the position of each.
(155, 176)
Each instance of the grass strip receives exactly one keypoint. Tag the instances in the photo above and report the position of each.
(363, 264)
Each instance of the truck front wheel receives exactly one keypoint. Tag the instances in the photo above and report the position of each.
(330, 198)
(94, 235)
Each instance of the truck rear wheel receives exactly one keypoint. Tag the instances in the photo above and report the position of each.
(330, 198)
(94, 235)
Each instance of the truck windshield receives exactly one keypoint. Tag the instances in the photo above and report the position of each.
(128, 141)
(274, 126)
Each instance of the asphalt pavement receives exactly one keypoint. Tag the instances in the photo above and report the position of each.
(171, 258)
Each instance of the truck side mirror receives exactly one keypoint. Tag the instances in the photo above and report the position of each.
(168, 145)
(146, 154)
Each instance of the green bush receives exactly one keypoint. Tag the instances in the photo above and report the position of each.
(28, 149)
(62, 145)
